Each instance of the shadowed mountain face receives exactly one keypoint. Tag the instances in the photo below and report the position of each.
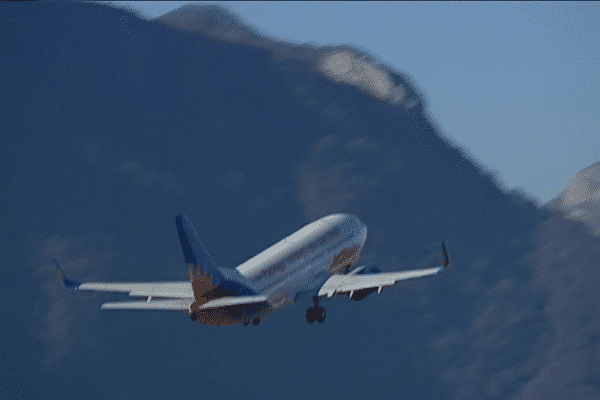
(112, 125)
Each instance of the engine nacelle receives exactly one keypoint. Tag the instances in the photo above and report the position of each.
(364, 270)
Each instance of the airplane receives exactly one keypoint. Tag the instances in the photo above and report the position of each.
(316, 259)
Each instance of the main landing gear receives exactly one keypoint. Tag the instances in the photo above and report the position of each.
(315, 312)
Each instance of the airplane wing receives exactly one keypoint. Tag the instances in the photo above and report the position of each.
(359, 280)
(183, 304)
(176, 296)
(350, 283)
(174, 290)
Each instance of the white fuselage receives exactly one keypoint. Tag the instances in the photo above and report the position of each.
(304, 260)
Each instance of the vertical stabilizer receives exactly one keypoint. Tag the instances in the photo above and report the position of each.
(208, 281)
(203, 274)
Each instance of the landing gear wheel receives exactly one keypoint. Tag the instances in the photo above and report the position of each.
(315, 313)
(246, 323)
(256, 321)
(321, 314)
(310, 315)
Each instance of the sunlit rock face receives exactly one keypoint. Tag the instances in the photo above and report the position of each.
(580, 200)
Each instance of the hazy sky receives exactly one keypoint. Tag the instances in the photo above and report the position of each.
(516, 84)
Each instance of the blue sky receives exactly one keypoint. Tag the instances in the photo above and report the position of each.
(515, 84)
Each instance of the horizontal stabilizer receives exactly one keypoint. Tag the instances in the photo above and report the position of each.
(176, 305)
(182, 304)
(145, 289)
(234, 301)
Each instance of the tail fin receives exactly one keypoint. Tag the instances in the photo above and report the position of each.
(203, 274)
(208, 281)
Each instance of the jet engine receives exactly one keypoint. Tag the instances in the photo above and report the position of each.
(364, 270)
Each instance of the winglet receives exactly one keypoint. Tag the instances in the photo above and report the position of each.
(445, 258)
(70, 284)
